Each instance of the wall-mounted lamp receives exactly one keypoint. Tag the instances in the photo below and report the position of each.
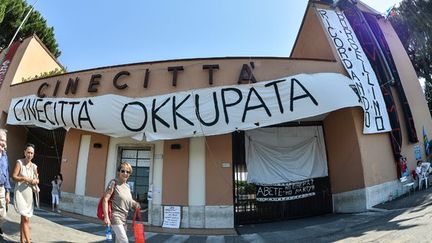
(175, 146)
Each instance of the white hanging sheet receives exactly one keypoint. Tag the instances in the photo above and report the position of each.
(285, 154)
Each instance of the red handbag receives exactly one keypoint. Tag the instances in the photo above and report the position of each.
(138, 228)
(100, 212)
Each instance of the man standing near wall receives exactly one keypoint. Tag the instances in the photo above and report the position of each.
(4, 178)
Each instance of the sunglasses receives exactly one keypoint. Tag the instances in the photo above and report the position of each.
(125, 171)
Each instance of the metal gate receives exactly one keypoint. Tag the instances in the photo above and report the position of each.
(248, 210)
(48, 153)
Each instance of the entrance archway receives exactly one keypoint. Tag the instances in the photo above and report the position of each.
(247, 209)
(48, 156)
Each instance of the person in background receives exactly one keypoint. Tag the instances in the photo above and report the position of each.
(121, 202)
(418, 168)
(4, 178)
(26, 175)
(55, 183)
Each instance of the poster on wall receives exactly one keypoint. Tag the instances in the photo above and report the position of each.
(171, 217)
(358, 67)
(417, 152)
(193, 113)
(285, 191)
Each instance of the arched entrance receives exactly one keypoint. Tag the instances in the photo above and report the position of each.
(255, 203)
(48, 155)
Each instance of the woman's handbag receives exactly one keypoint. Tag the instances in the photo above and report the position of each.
(100, 212)
(36, 191)
(138, 228)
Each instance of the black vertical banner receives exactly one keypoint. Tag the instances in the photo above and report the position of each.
(376, 30)
(373, 52)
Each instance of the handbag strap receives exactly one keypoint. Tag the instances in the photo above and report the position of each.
(35, 174)
(137, 212)
(112, 194)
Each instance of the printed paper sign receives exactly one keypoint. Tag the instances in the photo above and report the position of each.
(172, 217)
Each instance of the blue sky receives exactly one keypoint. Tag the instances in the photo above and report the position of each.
(97, 33)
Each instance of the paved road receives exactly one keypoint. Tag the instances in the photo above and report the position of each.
(404, 220)
(47, 226)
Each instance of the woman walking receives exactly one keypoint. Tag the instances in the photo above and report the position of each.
(121, 202)
(26, 175)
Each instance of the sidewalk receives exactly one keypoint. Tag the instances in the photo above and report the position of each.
(44, 229)
(416, 198)
(151, 229)
(404, 219)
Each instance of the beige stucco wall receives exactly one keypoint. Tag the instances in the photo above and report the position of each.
(70, 159)
(312, 41)
(96, 165)
(35, 60)
(175, 173)
(218, 176)
(377, 156)
(343, 151)
(17, 138)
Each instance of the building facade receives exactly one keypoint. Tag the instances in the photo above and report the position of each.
(223, 173)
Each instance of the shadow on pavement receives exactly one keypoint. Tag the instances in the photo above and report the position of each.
(332, 227)
(9, 230)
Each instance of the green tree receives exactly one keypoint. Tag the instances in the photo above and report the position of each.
(12, 12)
(412, 21)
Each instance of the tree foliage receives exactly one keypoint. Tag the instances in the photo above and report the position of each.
(412, 21)
(12, 12)
(56, 71)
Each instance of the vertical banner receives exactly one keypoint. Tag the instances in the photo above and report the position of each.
(387, 55)
(374, 53)
(426, 143)
(5, 63)
(359, 69)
